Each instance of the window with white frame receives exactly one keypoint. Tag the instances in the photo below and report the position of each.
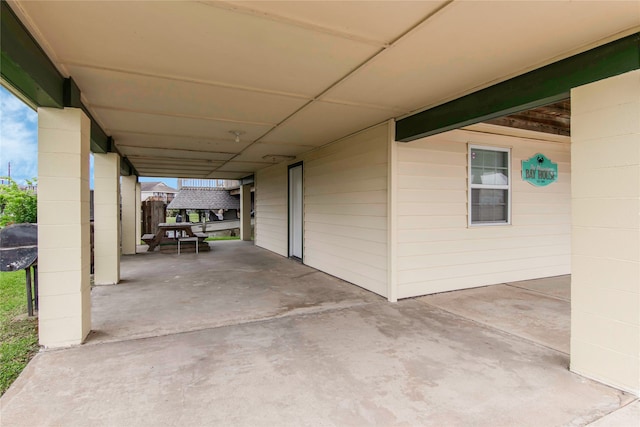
(489, 185)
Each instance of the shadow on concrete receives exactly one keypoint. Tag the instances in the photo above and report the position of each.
(242, 337)
(234, 283)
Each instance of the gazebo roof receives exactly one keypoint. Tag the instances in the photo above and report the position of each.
(204, 198)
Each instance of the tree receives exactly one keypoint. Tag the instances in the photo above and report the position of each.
(18, 205)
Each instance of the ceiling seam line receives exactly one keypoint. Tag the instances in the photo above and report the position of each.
(363, 105)
(221, 119)
(262, 136)
(183, 116)
(390, 46)
(167, 165)
(203, 139)
(176, 149)
(292, 22)
(169, 159)
(188, 80)
(345, 77)
(307, 104)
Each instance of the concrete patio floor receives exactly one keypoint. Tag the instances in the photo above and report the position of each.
(242, 337)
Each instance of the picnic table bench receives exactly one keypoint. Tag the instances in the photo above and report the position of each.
(177, 230)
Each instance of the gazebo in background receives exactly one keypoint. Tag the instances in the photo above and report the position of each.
(214, 204)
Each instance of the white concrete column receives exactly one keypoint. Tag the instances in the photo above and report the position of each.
(138, 213)
(245, 212)
(64, 251)
(605, 285)
(106, 218)
(129, 238)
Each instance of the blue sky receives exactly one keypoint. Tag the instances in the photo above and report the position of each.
(18, 138)
(19, 141)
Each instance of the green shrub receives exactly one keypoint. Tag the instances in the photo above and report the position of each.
(17, 205)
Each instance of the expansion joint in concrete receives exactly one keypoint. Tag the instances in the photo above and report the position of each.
(493, 328)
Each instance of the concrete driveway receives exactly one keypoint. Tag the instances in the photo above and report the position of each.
(242, 337)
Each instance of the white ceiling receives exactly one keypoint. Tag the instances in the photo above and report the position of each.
(170, 80)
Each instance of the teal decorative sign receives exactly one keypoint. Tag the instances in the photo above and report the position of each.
(539, 170)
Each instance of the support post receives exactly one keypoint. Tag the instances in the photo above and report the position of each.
(29, 292)
(138, 213)
(605, 284)
(64, 250)
(392, 211)
(106, 218)
(245, 212)
(129, 239)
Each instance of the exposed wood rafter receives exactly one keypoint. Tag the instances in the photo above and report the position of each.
(554, 119)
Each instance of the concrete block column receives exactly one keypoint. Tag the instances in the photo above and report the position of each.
(106, 218)
(64, 252)
(245, 212)
(605, 285)
(129, 238)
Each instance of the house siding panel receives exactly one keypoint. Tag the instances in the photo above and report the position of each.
(437, 251)
(346, 209)
(270, 205)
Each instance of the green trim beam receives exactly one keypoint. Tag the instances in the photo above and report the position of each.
(25, 66)
(247, 180)
(28, 69)
(100, 141)
(536, 88)
(126, 168)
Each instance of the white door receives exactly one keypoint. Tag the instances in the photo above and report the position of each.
(295, 211)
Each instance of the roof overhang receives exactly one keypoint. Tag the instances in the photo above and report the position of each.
(536, 88)
(234, 87)
(29, 72)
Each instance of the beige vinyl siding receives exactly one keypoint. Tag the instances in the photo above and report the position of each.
(270, 205)
(437, 251)
(345, 209)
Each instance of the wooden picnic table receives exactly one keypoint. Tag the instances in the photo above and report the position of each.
(178, 229)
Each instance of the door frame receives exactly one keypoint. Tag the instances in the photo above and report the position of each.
(291, 166)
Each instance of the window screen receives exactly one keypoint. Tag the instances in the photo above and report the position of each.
(489, 185)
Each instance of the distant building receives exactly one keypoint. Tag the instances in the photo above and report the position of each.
(157, 191)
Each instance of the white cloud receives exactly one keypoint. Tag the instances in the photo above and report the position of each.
(18, 137)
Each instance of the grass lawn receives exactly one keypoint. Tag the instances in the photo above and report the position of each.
(18, 333)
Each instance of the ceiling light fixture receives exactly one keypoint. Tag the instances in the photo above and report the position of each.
(237, 133)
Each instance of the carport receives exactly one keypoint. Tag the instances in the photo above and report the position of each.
(241, 336)
(323, 101)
